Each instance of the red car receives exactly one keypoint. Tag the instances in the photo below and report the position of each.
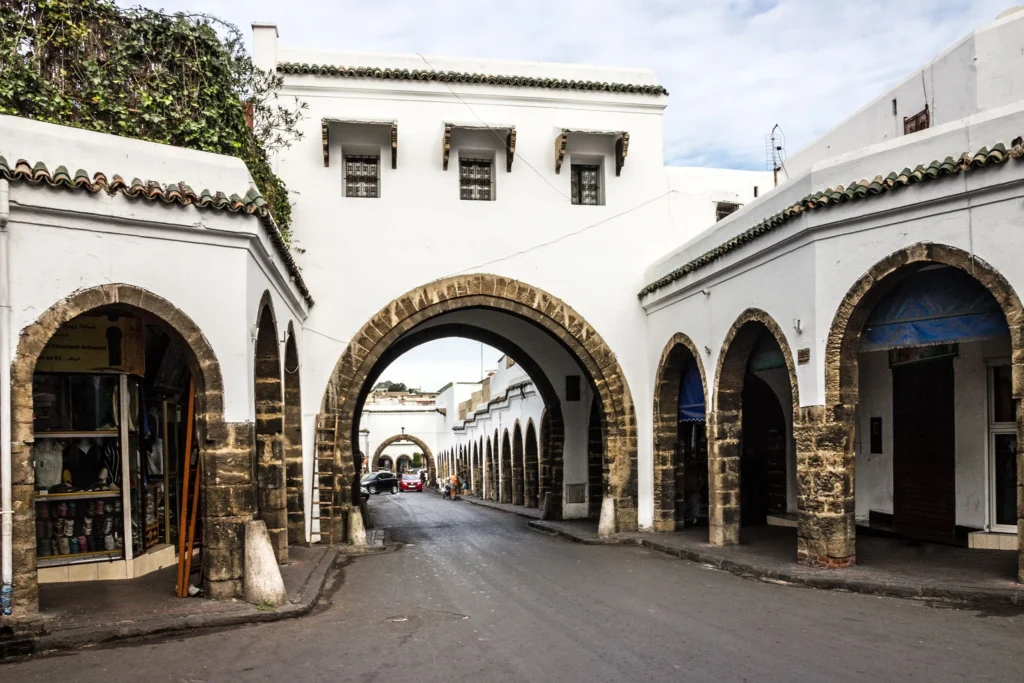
(410, 482)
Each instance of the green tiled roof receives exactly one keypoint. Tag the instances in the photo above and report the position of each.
(251, 204)
(463, 77)
(856, 190)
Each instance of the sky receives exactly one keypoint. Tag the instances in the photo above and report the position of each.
(733, 68)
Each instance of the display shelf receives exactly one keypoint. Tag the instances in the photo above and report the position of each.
(77, 495)
(79, 558)
(96, 434)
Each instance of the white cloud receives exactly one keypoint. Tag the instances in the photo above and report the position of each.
(734, 68)
(432, 365)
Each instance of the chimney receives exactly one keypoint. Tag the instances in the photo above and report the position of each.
(264, 45)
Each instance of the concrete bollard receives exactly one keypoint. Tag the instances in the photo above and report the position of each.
(606, 527)
(356, 530)
(547, 508)
(263, 583)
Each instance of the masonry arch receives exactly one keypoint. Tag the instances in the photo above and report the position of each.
(505, 476)
(293, 441)
(829, 502)
(520, 314)
(531, 494)
(743, 477)
(517, 464)
(212, 434)
(680, 436)
(478, 471)
(269, 478)
(385, 462)
(489, 488)
(409, 438)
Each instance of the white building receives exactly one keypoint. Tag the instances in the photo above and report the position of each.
(523, 205)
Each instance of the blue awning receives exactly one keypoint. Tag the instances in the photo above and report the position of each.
(933, 306)
(691, 394)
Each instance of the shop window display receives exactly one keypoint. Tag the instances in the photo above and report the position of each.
(107, 394)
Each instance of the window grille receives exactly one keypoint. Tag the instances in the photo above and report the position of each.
(475, 179)
(362, 176)
(586, 184)
(919, 121)
(723, 209)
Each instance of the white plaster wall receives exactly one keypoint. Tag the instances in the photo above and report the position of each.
(383, 424)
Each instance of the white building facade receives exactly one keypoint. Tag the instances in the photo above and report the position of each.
(768, 369)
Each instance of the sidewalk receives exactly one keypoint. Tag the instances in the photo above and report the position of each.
(885, 566)
(78, 614)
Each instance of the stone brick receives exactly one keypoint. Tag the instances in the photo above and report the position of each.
(223, 564)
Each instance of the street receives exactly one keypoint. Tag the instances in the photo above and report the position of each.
(473, 594)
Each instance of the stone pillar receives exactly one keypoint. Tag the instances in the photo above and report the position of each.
(229, 502)
(826, 527)
(271, 496)
(724, 431)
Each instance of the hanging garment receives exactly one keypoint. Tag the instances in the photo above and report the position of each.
(49, 462)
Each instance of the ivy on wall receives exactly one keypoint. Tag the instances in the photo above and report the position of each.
(182, 79)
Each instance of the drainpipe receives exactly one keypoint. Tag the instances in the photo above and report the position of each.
(6, 511)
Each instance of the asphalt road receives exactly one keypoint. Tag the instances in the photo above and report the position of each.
(475, 595)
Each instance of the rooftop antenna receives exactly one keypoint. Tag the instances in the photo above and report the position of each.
(775, 152)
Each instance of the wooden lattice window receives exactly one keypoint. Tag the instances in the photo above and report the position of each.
(476, 178)
(586, 184)
(362, 176)
(919, 121)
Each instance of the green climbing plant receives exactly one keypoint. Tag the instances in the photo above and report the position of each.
(182, 79)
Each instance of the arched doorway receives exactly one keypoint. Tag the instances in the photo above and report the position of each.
(506, 468)
(521, 315)
(478, 469)
(385, 463)
(270, 480)
(680, 437)
(755, 352)
(906, 391)
(178, 348)
(428, 455)
(293, 441)
(595, 473)
(403, 464)
(488, 470)
(531, 466)
(517, 464)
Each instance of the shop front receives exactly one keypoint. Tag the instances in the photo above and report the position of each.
(111, 411)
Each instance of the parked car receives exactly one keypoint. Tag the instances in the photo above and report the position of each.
(411, 482)
(378, 482)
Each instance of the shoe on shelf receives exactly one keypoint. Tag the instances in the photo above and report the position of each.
(108, 542)
(63, 545)
(58, 526)
(62, 509)
(73, 545)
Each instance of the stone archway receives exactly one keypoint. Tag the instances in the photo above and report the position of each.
(530, 466)
(517, 464)
(293, 441)
(484, 291)
(478, 469)
(270, 480)
(227, 506)
(827, 527)
(667, 471)
(409, 438)
(724, 423)
(505, 475)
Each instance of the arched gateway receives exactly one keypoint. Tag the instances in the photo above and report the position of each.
(409, 438)
(516, 302)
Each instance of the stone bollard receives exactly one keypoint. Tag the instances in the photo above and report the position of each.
(606, 527)
(263, 583)
(356, 530)
(547, 508)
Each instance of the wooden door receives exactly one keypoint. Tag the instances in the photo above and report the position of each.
(924, 455)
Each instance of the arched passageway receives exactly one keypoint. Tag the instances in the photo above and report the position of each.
(680, 437)
(743, 445)
(517, 464)
(428, 455)
(270, 479)
(531, 495)
(403, 464)
(478, 470)
(490, 487)
(528, 323)
(506, 468)
(385, 462)
(908, 391)
(293, 442)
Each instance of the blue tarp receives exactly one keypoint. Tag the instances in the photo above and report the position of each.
(691, 394)
(934, 306)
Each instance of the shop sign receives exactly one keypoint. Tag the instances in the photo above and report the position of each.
(917, 354)
(97, 343)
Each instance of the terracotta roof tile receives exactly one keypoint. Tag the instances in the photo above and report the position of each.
(857, 189)
(252, 204)
(463, 77)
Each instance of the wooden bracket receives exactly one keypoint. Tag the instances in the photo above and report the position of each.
(560, 144)
(510, 149)
(446, 146)
(621, 150)
(325, 137)
(394, 145)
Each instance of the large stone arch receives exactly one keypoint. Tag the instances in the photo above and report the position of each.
(270, 479)
(485, 291)
(226, 485)
(667, 382)
(409, 438)
(827, 527)
(293, 441)
(724, 423)
(531, 463)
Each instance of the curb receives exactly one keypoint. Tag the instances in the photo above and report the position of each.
(46, 643)
(482, 504)
(867, 586)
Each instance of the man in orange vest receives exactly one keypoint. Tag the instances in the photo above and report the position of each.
(454, 481)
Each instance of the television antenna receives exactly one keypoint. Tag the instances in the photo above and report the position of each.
(775, 152)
